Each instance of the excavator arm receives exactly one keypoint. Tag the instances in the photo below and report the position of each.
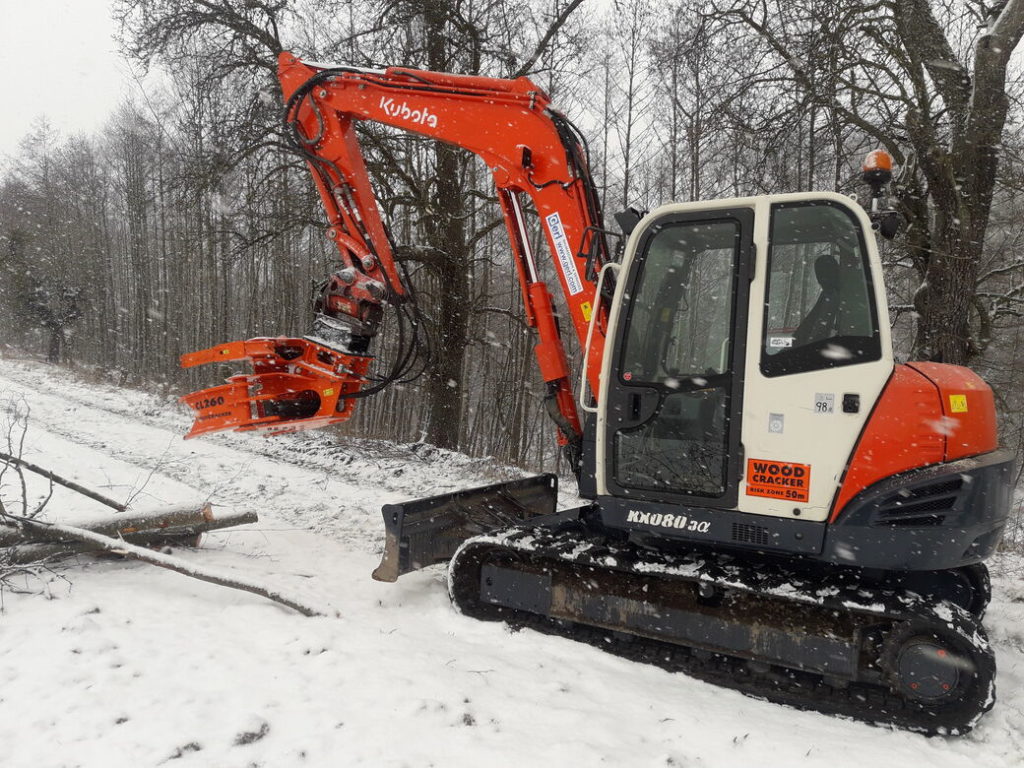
(301, 383)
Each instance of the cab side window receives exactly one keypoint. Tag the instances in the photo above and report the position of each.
(679, 324)
(819, 308)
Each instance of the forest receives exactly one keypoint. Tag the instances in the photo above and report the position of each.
(187, 221)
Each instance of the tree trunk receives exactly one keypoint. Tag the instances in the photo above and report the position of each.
(144, 529)
(448, 236)
(53, 351)
(944, 303)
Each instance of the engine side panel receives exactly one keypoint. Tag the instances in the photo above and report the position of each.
(968, 409)
(903, 432)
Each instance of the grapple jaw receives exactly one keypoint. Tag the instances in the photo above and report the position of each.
(296, 384)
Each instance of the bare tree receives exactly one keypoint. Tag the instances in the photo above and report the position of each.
(41, 287)
(929, 83)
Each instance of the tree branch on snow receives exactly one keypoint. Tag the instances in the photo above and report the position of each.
(56, 532)
(15, 428)
(21, 526)
(19, 464)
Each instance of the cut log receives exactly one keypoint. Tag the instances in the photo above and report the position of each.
(184, 520)
(171, 527)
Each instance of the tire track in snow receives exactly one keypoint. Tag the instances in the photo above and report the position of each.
(317, 480)
(409, 470)
(295, 492)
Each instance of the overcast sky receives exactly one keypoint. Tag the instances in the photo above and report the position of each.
(58, 58)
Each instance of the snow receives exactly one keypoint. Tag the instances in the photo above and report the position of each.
(347, 67)
(836, 352)
(945, 426)
(131, 665)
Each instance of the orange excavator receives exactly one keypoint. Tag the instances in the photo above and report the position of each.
(770, 502)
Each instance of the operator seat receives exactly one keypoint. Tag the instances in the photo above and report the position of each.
(820, 322)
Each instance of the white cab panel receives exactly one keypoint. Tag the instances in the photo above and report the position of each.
(787, 419)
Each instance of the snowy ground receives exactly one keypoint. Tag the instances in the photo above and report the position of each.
(130, 665)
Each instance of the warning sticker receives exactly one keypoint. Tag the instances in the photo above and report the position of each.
(958, 403)
(778, 479)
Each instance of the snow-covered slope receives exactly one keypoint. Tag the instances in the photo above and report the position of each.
(130, 665)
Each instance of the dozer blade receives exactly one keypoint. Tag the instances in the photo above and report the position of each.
(296, 384)
(428, 531)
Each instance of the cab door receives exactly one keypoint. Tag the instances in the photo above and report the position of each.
(674, 394)
(819, 353)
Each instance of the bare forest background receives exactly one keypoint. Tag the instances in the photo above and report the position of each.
(187, 222)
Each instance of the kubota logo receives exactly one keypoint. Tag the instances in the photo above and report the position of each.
(403, 112)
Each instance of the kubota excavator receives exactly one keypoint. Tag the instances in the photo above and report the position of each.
(771, 503)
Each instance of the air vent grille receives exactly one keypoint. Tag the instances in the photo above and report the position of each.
(925, 506)
(745, 533)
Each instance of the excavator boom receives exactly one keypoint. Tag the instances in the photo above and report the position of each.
(308, 382)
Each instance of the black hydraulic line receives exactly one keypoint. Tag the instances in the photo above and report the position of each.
(408, 351)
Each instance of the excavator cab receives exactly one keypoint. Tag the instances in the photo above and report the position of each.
(736, 329)
(750, 398)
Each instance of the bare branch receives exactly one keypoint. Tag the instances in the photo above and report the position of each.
(553, 28)
(50, 531)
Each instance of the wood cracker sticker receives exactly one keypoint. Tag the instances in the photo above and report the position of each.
(778, 479)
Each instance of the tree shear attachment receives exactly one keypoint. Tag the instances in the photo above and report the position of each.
(296, 384)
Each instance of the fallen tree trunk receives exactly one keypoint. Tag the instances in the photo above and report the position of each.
(167, 527)
(52, 532)
(24, 540)
(175, 521)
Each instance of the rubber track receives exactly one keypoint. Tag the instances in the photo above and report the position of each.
(873, 703)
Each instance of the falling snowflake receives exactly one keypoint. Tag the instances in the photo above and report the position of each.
(945, 426)
(836, 352)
